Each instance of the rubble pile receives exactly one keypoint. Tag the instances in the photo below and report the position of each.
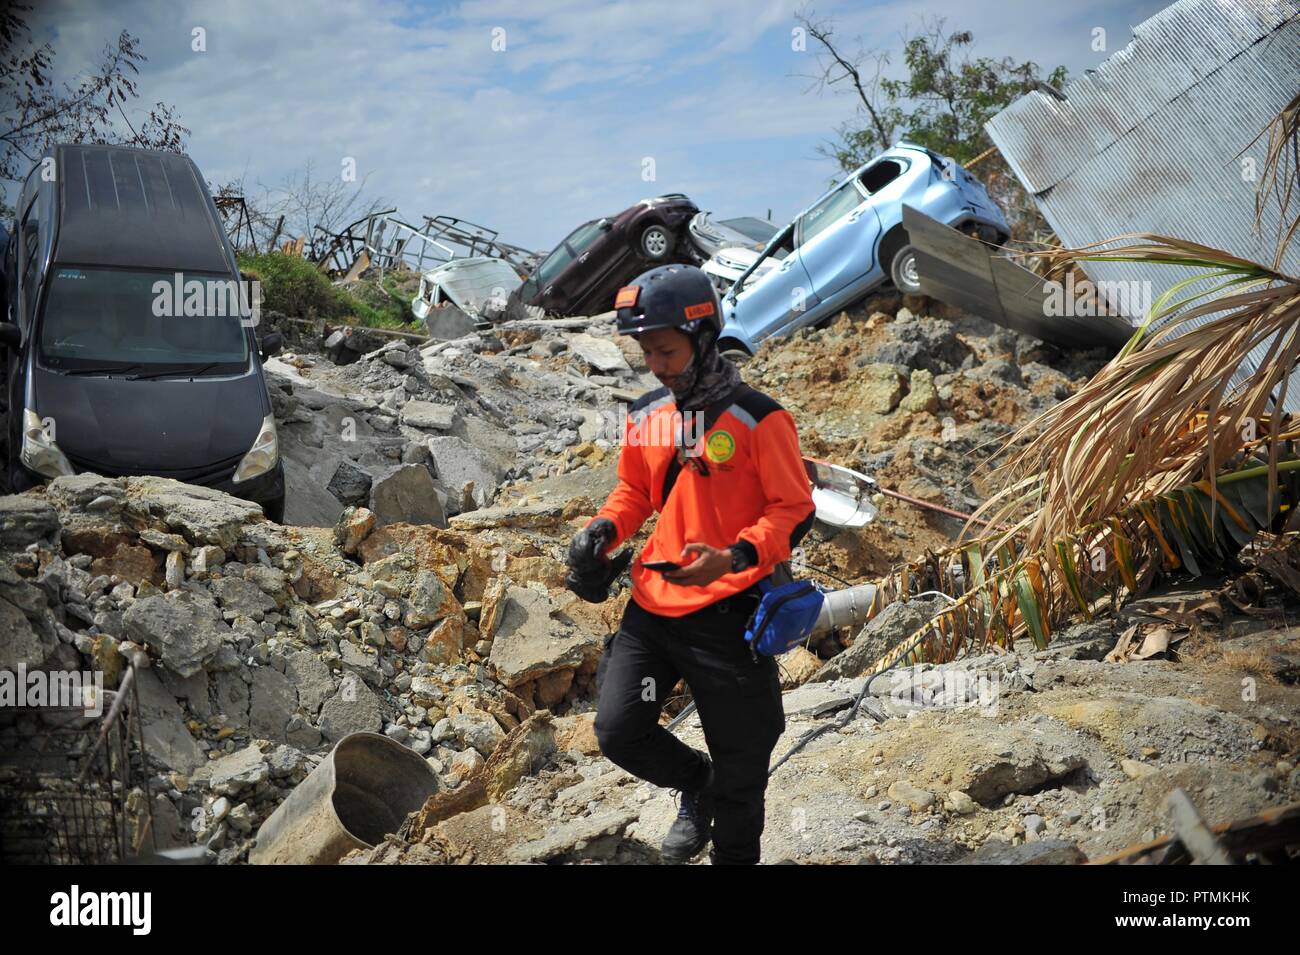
(519, 402)
(417, 591)
(271, 643)
(918, 398)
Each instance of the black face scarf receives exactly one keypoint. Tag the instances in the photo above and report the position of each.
(707, 378)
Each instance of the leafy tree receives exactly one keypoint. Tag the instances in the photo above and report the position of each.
(941, 102)
(37, 113)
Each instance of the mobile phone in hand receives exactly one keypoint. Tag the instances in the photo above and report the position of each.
(661, 565)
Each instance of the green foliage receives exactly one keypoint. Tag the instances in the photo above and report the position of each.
(294, 286)
(953, 96)
(943, 102)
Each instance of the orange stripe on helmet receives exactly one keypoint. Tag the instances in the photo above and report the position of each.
(699, 311)
(627, 296)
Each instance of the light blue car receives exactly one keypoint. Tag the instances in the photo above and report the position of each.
(851, 241)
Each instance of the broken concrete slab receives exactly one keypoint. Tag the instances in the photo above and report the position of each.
(167, 740)
(889, 628)
(470, 474)
(312, 679)
(527, 642)
(602, 354)
(273, 700)
(240, 771)
(202, 515)
(594, 837)
(407, 494)
(186, 630)
(354, 708)
(27, 520)
(428, 415)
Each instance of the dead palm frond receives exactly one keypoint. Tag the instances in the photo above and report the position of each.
(1166, 411)
(1174, 455)
(1278, 178)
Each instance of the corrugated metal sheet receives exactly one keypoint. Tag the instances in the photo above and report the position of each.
(963, 271)
(1152, 140)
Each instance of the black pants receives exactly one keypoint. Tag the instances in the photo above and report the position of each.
(739, 703)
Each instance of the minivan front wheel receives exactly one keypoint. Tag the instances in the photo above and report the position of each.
(903, 271)
(656, 242)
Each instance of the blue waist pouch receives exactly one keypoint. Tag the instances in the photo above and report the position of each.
(784, 617)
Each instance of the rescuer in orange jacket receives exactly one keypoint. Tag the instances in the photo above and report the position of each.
(720, 463)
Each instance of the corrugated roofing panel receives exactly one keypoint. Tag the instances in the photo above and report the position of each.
(1152, 140)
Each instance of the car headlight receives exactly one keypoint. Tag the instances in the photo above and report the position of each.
(39, 452)
(263, 455)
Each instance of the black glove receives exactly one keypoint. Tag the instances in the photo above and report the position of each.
(590, 571)
(587, 549)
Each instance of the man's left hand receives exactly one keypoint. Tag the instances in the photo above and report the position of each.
(711, 564)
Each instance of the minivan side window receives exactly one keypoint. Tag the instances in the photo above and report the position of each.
(28, 239)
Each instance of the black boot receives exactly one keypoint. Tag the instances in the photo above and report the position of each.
(694, 824)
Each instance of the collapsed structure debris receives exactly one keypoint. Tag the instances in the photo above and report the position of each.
(383, 241)
(418, 594)
(1175, 91)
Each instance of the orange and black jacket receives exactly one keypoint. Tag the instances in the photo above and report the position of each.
(756, 489)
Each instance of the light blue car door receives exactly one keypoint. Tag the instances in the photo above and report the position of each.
(837, 240)
(769, 304)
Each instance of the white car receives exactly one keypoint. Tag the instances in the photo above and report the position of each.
(472, 284)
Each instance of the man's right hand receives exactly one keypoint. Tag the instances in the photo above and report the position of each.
(587, 549)
(590, 572)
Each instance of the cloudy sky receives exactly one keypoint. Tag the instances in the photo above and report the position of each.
(533, 117)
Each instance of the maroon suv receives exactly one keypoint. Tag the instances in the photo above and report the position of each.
(582, 273)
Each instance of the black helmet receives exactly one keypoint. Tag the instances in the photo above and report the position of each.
(670, 296)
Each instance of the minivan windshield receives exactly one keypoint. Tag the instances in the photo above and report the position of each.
(147, 322)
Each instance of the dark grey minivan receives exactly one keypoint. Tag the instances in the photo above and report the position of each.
(130, 339)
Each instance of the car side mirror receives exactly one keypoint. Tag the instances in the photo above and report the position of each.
(11, 336)
(605, 225)
(272, 344)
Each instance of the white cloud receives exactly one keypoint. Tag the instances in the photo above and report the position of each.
(543, 135)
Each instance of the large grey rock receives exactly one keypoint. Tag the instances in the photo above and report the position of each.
(352, 709)
(408, 495)
(273, 701)
(590, 837)
(231, 698)
(447, 321)
(192, 689)
(429, 601)
(166, 738)
(429, 415)
(363, 664)
(202, 515)
(478, 730)
(241, 597)
(27, 520)
(184, 629)
(311, 677)
(890, 627)
(350, 484)
(20, 644)
(466, 470)
(601, 354)
(241, 770)
(527, 642)
(922, 342)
